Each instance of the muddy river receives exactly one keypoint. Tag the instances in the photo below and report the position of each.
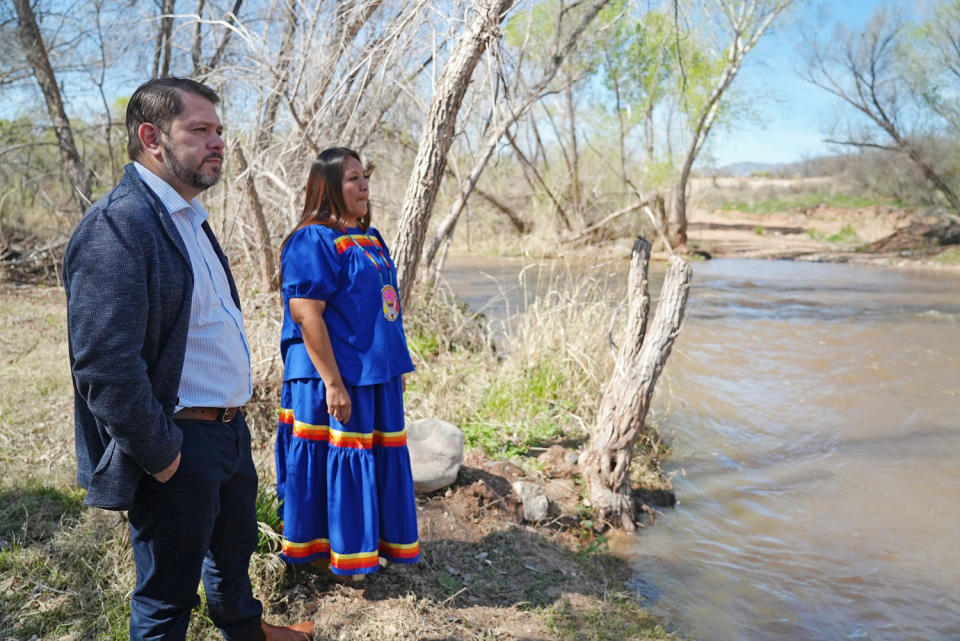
(813, 416)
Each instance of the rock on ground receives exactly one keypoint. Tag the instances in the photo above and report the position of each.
(535, 503)
(436, 452)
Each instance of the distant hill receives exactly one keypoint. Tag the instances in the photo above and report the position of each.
(740, 169)
(819, 166)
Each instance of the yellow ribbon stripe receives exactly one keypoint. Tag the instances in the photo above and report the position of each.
(303, 550)
(343, 243)
(355, 440)
(355, 560)
(390, 439)
(400, 550)
(311, 432)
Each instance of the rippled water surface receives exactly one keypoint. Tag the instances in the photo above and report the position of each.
(814, 416)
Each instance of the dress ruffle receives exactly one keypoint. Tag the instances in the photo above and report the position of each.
(345, 491)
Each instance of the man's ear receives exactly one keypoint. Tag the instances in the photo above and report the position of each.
(149, 135)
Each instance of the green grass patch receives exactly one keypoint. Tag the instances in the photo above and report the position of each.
(34, 513)
(75, 582)
(846, 235)
(424, 345)
(616, 618)
(950, 256)
(802, 201)
(527, 409)
(268, 516)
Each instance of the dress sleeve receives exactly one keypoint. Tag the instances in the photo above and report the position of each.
(310, 263)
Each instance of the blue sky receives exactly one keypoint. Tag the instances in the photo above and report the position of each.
(794, 115)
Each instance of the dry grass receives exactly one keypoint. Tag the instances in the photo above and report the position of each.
(541, 383)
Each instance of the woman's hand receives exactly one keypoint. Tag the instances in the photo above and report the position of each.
(338, 402)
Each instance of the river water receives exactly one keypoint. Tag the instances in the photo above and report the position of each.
(813, 421)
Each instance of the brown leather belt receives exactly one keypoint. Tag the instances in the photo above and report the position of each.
(220, 414)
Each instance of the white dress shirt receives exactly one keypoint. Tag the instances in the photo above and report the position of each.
(216, 365)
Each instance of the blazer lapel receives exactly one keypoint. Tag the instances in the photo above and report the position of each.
(223, 260)
(166, 221)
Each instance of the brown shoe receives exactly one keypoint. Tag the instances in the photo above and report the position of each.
(297, 632)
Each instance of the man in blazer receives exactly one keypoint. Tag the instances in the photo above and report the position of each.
(161, 366)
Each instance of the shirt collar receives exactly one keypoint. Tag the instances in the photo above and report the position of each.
(173, 201)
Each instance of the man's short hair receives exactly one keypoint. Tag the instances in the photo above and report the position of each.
(158, 101)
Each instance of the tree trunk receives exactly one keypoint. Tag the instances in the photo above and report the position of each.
(437, 137)
(195, 51)
(445, 232)
(677, 214)
(605, 463)
(161, 54)
(574, 157)
(515, 219)
(749, 22)
(269, 262)
(528, 164)
(214, 61)
(32, 43)
(282, 67)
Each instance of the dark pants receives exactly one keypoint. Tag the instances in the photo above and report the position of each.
(204, 518)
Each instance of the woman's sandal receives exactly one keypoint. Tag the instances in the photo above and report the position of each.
(324, 566)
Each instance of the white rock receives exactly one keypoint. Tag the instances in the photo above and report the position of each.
(535, 503)
(436, 452)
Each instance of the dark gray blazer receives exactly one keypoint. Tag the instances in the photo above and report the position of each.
(129, 285)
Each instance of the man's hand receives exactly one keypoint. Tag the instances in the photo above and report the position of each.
(166, 474)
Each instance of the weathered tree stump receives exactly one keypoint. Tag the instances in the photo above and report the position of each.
(605, 464)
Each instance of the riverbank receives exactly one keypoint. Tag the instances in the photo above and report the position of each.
(66, 571)
(820, 233)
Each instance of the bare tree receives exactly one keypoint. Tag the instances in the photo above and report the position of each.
(282, 67)
(36, 52)
(268, 260)
(326, 73)
(605, 462)
(746, 22)
(162, 47)
(514, 110)
(861, 69)
(218, 53)
(437, 137)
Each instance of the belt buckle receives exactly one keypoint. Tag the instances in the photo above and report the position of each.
(222, 417)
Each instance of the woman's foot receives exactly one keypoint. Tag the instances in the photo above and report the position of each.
(324, 566)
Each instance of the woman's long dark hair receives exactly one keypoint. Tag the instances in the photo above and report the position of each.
(323, 204)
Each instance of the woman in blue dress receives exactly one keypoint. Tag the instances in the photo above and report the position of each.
(343, 470)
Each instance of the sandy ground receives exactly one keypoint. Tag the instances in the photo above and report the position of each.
(725, 234)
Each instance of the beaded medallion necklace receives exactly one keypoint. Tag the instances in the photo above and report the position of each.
(388, 293)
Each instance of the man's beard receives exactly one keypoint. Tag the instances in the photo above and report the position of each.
(193, 177)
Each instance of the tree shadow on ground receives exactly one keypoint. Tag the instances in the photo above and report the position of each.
(34, 514)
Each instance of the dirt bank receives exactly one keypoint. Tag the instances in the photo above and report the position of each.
(484, 575)
(816, 232)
